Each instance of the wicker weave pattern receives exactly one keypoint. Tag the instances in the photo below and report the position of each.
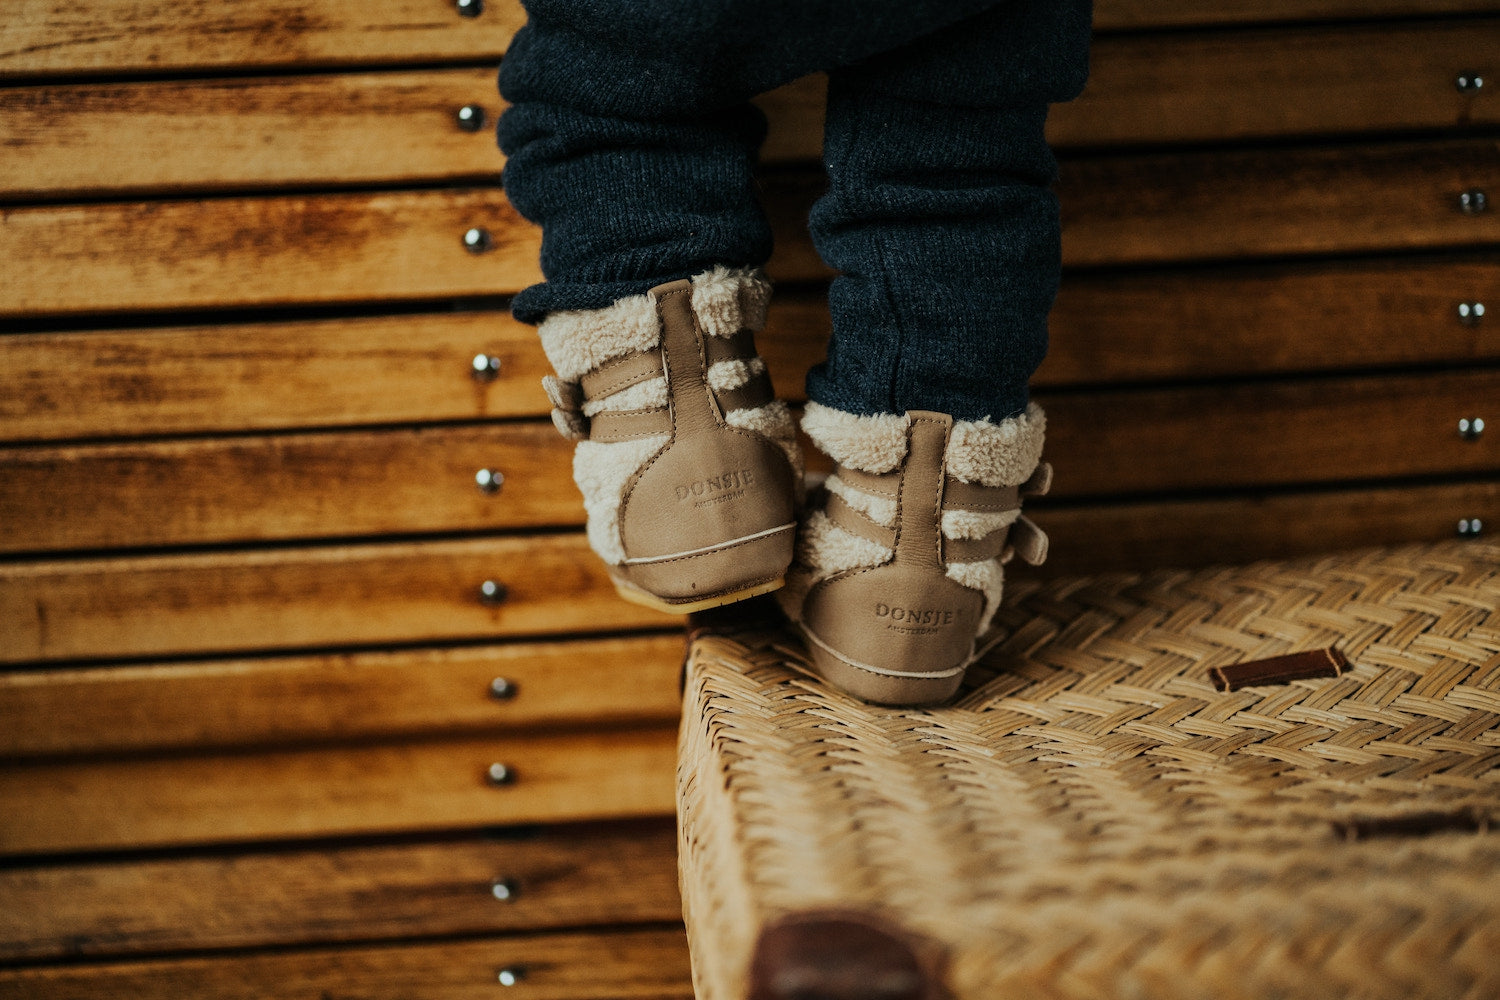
(1094, 819)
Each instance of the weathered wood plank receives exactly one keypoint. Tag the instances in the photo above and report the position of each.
(356, 484)
(1274, 83)
(406, 787)
(241, 489)
(53, 37)
(1267, 320)
(621, 965)
(1257, 434)
(405, 592)
(337, 697)
(246, 132)
(569, 876)
(260, 376)
(1158, 208)
(363, 247)
(267, 251)
(1114, 15)
(1105, 328)
(1133, 536)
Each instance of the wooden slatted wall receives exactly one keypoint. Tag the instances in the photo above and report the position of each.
(251, 691)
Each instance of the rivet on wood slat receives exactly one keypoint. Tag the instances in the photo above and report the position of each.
(1470, 313)
(511, 975)
(470, 118)
(504, 889)
(1469, 428)
(489, 481)
(469, 8)
(1473, 201)
(502, 689)
(1470, 527)
(500, 774)
(492, 592)
(1469, 82)
(486, 367)
(477, 240)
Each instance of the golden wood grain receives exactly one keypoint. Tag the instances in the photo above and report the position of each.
(566, 876)
(330, 697)
(405, 787)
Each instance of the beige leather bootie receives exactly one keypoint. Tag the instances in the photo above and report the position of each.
(687, 463)
(898, 566)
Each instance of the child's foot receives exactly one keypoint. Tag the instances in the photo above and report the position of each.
(898, 564)
(687, 462)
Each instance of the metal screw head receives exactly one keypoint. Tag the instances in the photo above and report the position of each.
(492, 592)
(486, 367)
(504, 890)
(489, 481)
(469, 8)
(1469, 82)
(1470, 313)
(477, 240)
(502, 689)
(511, 975)
(1473, 201)
(470, 118)
(500, 774)
(1470, 527)
(1469, 428)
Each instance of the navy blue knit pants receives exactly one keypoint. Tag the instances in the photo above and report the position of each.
(630, 141)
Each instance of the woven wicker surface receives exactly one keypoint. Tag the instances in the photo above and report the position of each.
(1094, 819)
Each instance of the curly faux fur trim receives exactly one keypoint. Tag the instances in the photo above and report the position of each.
(988, 577)
(823, 550)
(997, 454)
(601, 470)
(577, 341)
(869, 443)
(728, 300)
(881, 510)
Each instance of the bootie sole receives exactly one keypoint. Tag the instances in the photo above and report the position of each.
(636, 595)
(879, 688)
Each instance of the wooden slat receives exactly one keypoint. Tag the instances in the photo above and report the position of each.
(260, 251)
(320, 486)
(248, 132)
(621, 965)
(239, 489)
(53, 37)
(1105, 328)
(560, 877)
(1274, 83)
(1266, 320)
(1113, 15)
(257, 376)
(1135, 536)
(341, 248)
(1316, 430)
(329, 698)
(288, 598)
(1122, 210)
(408, 787)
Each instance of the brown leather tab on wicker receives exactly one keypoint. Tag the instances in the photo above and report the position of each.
(1029, 541)
(959, 495)
(1327, 662)
(1039, 482)
(843, 515)
(629, 424)
(884, 484)
(966, 550)
(740, 347)
(755, 392)
(562, 395)
(622, 373)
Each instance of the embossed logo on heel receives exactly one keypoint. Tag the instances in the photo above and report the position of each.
(914, 621)
(715, 489)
